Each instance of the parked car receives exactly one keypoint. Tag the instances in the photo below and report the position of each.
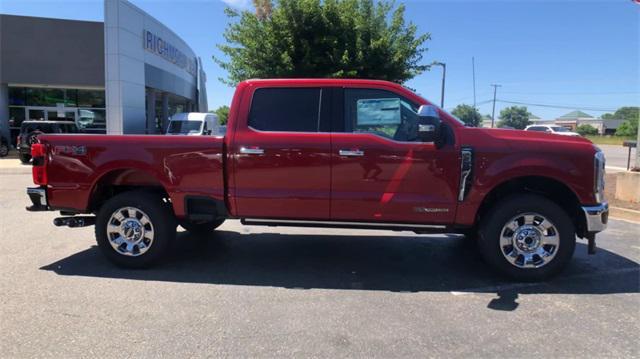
(194, 124)
(557, 130)
(4, 146)
(331, 153)
(30, 130)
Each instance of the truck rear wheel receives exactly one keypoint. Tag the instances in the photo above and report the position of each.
(527, 237)
(201, 228)
(135, 229)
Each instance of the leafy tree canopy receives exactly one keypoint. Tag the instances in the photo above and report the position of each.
(468, 114)
(631, 115)
(322, 38)
(586, 130)
(223, 114)
(624, 113)
(514, 116)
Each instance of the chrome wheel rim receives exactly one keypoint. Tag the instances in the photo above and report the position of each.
(529, 240)
(130, 231)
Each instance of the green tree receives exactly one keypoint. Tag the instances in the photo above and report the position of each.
(586, 130)
(468, 114)
(631, 115)
(627, 128)
(322, 38)
(223, 114)
(514, 116)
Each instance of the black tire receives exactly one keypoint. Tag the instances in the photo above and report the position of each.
(201, 228)
(161, 218)
(24, 158)
(490, 231)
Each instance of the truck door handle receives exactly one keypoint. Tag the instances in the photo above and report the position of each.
(351, 153)
(251, 150)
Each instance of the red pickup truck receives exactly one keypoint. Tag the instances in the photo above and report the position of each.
(331, 153)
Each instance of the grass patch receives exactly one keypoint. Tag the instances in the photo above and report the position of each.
(609, 140)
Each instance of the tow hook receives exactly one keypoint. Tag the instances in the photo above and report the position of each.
(591, 245)
(74, 222)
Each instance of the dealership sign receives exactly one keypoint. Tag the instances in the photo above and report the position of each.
(157, 45)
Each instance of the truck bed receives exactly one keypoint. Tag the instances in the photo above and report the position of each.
(183, 166)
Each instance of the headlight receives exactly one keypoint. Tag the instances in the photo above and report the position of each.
(598, 190)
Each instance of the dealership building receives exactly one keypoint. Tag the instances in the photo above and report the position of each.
(127, 75)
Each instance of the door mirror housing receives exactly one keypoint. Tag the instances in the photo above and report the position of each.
(429, 123)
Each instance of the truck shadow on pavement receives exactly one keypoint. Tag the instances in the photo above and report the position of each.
(386, 263)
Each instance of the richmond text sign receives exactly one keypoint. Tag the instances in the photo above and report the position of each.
(164, 49)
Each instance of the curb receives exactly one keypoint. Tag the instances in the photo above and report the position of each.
(626, 214)
(15, 170)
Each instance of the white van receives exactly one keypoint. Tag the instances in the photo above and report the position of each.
(194, 124)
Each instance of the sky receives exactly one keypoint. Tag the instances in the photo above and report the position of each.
(556, 56)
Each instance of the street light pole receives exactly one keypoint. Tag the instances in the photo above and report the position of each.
(444, 75)
(493, 113)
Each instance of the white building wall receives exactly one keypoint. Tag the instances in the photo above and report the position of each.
(125, 58)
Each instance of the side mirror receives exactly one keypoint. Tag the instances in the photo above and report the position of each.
(428, 123)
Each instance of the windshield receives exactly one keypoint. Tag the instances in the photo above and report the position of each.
(184, 127)
(559, 129)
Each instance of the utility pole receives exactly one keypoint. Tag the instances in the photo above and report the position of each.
(493, 113)
(473, 67)
(444, 75)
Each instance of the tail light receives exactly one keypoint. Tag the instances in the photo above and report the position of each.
(39, 170)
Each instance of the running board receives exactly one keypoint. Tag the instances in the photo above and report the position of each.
(418, 228)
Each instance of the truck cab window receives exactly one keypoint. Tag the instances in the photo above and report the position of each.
(286, 109)
(382, 113)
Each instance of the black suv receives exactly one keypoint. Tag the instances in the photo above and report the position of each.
(29, 131)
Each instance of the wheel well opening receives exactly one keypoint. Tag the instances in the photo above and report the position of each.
(552, 189)
(123, 180)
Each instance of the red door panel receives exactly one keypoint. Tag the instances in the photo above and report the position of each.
(289, 180)
(390, 181)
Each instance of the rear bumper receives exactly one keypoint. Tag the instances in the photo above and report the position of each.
(38, 197)
(596, 217)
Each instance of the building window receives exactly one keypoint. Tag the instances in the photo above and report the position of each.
(85, 107)
(91, 98)
(16, 116)
(17, 96)
(44, 96)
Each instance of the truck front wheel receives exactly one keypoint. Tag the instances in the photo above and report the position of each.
(527, 237)
(135, 229)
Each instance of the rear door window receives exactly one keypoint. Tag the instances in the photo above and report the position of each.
(286, 109)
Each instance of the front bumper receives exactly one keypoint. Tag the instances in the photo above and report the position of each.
(596, 217)
(38, 197)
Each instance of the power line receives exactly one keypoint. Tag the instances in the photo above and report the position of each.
(573, 93)
(570, 107)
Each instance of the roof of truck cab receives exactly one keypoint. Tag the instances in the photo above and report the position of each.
(325, 81)
(329, 83)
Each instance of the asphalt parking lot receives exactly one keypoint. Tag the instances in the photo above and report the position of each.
(273, 292)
